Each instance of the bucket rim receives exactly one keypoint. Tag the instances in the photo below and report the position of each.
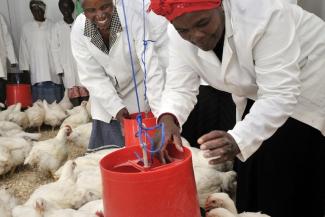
(165, 168)
(15, 85)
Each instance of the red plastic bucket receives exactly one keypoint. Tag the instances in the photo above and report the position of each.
(19, 93)
(160, 191)
(131, 128)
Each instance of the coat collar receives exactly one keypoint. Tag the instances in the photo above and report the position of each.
(96, 39)
(210, 56)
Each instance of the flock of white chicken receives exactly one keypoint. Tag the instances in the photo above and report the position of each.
(18, 147)
(54, 114)
(78, 189)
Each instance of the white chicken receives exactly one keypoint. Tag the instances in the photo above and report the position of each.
(81, 135)
(63, 193)
(87, 162)
(77, 109)
(36, 209)
(7, 126)
(39, 103)
(50, 154)
(44, 209)
(7, 203)
(74, 110)
(220, 212)
(18, 149)
(210, 178)
(93, 206)
(65, 102)
(69, 213)
(78, 119)
(18, 117)
(220, 200)
(56, 106)
(10, 129)
(199, 160)
(20, 134)
(6, 162)
(90, 180)
(221, 205)
(54, 115)
(4, 114)
(36, 115)
(209, 181)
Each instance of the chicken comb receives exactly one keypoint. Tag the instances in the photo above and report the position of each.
(99, 214)
(68, 127)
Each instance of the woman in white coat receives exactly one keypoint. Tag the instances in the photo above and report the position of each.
(99, 41)
(273, 64)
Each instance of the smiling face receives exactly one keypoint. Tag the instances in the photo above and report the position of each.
(99, 12)
(202, 28)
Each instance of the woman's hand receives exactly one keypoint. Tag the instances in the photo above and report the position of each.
(123, 113)
(172, 135)
(220, 145)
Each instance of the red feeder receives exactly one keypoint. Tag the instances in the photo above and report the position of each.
(130, 190)
(131, 128)
(19, 93)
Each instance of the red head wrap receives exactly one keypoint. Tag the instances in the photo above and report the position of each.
(175, 8)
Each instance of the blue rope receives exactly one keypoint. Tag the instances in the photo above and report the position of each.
(131, 57)
(143, 130)
(145, 45)
(143, 60)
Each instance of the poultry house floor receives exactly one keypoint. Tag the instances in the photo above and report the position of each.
(26, 179)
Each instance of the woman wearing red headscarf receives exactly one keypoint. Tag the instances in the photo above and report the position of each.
(273, 64)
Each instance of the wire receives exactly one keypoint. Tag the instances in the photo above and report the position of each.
(142, 130)
(145, 45)
(131, 57)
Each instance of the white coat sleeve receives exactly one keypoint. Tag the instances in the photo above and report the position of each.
(55, 48)
(291, 1)
(24, 60)
(93, 76)
(158, 26)
(182, 83)
(8, 40)
(154, 74)
(277, 77)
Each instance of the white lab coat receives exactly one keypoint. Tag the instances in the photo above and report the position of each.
(64, 61)
(108, 78)
(291, 1)
(6, 48)
(35, 52)
(158, 28)
(273, 53)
